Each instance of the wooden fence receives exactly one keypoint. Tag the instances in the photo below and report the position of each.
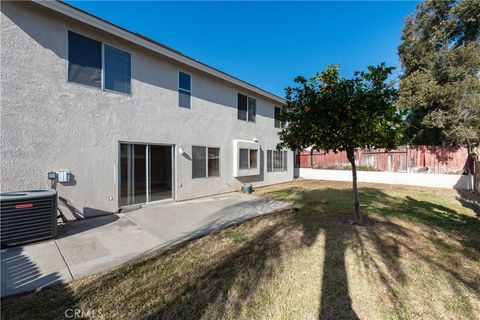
(404, 159)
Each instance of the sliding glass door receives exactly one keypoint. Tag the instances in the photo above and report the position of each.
(146, 173)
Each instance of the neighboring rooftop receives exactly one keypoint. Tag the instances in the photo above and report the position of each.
(87, 18)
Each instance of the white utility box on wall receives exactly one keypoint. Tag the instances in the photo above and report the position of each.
(64, 176)
(246, 158)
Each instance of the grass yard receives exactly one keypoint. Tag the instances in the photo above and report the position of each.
(418, 257)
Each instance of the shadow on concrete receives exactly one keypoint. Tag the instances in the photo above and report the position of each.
(23, 273)
(75, 227)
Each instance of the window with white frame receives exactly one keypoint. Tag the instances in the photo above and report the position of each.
(277, 160)
(85, 64)
(248, 159)
(246, 108)
(205, 162)
(184, 90)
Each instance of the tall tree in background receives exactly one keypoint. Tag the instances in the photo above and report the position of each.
(332, 113)
(440, 85)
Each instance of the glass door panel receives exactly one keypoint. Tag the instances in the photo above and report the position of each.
(145, 170)
(140, 174)
(160, 172)
(125, 172)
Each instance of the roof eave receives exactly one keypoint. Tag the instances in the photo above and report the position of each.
(150, 44)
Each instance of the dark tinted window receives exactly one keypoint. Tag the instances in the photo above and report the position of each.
(252, 109)
(84, 60)
(117, 70)
(184, 81)
(184, 90)
(278, 111)
(242, 107)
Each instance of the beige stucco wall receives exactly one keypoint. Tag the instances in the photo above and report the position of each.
(48, 124)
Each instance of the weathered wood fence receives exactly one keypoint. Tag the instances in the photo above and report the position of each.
(404, 159)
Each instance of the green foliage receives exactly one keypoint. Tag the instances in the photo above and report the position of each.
(440, 87)
(329, 112)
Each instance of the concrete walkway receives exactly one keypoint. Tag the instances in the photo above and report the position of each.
(92, 245)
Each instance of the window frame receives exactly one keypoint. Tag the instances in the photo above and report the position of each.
(103, 43)
(271, 154)
(178, 89)
(280, 124)
(247, 110)
(249, 167)
(219, 162)
(206, 161)
(68, 61)
(103, 69)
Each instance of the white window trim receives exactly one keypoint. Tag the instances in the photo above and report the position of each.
(206, 162)
(178, 89)
(248, 159)
(283, 153)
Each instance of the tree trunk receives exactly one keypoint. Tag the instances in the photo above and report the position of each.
(356, 201)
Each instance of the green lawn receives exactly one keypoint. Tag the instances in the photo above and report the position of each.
(417, 257)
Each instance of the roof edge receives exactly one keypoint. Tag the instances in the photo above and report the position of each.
(88, 18)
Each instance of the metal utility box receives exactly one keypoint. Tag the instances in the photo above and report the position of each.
(27, 216)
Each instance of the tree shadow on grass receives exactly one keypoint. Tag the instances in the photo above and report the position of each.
(386, 235)
(230, 283)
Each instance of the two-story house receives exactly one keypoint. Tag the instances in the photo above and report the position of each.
(123, 119)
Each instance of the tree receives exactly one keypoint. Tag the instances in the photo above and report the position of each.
(332, 113)
(440, 85)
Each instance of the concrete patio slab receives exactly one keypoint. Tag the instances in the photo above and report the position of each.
(92, 245)
(201, 216)
(32, 267)
(97, 244)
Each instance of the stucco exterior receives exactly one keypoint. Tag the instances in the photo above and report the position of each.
(49, 124)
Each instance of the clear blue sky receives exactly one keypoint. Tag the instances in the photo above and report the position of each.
(268, 43)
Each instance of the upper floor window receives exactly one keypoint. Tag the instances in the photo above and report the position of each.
(117, 70)
(277, 113)
(184, 89)
(84, 60)
(246, 108)
(85, 64)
